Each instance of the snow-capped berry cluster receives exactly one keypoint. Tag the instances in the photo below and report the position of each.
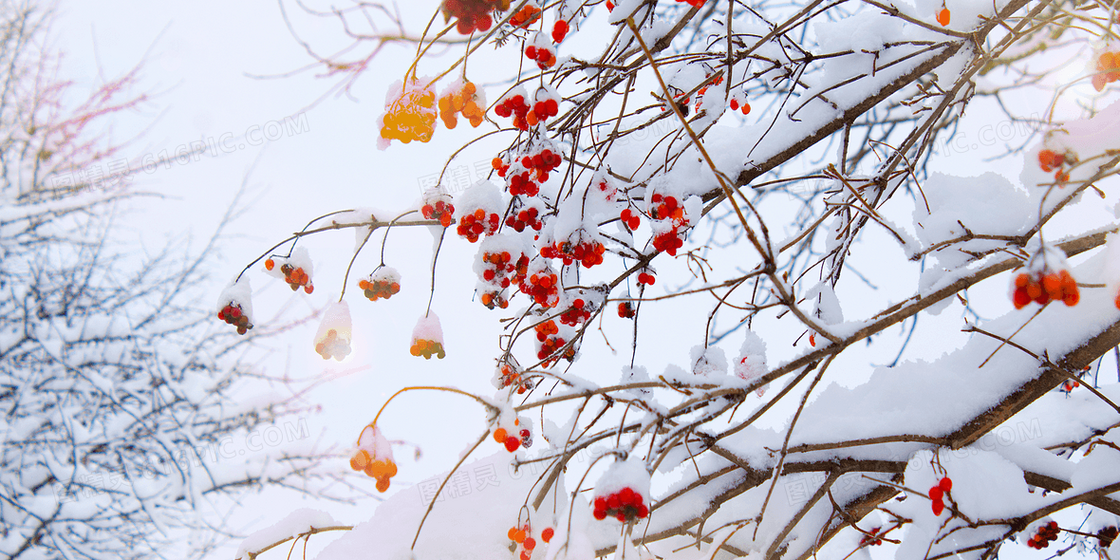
(427, 338)
(473, 15)
(528, 217)
(479, 211)
(515, 436)
(1045, 286)
(232, 314)
(333, 338)
(507, 375)
(937, 495)
(374, 457)
(1050, 160)
(235, 305)
(500, 263)
(541, 52)
(514, 105)
(526, 16)
(577, 314)
(626, 310)
(550, 339)
(462, 98)
(295, 269)
(410, 114)
(624, 505)
(1045, 535)
(382, 283)
(437, 206)
(541, 284)
(671, 223)
(478, 223)
(583, 252)
(1108, 70)
(524, 543)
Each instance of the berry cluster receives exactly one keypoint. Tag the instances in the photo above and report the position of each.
(646, 278)
(295, 276)
(473, 15)
(626, 310)
(743, 107)
(381, 470)
(550, 342)
(872, 538)
(543, 55)
(439, 208)
(383, 283)
(1108, 70)
(473, 225)
(411, 116)
(528, 217)
(542, 285)
(232, 314)
(586, 253)
(1049, 161)
(1046, 534)
(693, 3)
(577, 314)
(511, 441)
(559, 31)
(937, 495)
(427, 348)
(1044, 287)
(463, 99)
(507, 375)
(669, 210)
(374, 457)
(514, 106)
(544, 161)
(624, 505)
(524, 543)
(332, 345)
(526, 16)
(500, 268)
(630, 219)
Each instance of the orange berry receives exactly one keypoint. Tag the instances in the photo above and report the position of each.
(519, 536)
(1051, 284)
(359, 461)
(529, 543)
(512, 533)
(382, 484)
(269, 264)
(500, 435)
(546, 535)
(1022, 280)
(943, 17)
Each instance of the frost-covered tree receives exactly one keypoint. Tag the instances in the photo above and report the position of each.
(761, 169)
(117, 411)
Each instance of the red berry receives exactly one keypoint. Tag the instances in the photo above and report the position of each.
(946, 484)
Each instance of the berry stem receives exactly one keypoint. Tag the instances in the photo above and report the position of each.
(481, 401)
